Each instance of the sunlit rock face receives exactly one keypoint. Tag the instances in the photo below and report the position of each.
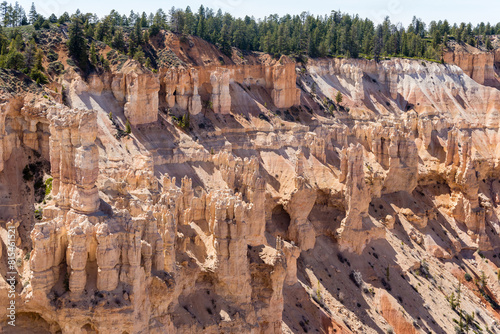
(276, 209)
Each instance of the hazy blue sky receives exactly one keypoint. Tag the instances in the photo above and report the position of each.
(398, 10)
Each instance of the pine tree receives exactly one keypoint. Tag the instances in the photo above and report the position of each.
(37, 70)
(16, 15)
(53, 18)
(176, 20)
(39, 61)
(64, 18)
(224, 41)
(33, 14)
(29, 54)
(160, 19)
(118, 41)
(15, 60)
(377, 43)
(7, 16)
(338, 98)
(93, 55)
(200, 28)
(4, 7)
(23, 19)
(77, 44)
(132, 18)
(144, 20)
(139, 56)
(138, 33)
(125, 21)
(154, 30)
(488, 44)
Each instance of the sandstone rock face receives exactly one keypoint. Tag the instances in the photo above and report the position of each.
(77, 254)
(221, 98)
(478, 66)
(48, 252)
(357, 229)
(138, 90)
(357, 193)
(74, 158)
(191, 89)
(107, 255)
(261, 220)
(181, 87)
(141, 97)
(394, 317)
(284, 92)
(299, 206)
(366, 82)
(291, 253)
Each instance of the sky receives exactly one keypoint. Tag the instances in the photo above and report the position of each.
(474, 11)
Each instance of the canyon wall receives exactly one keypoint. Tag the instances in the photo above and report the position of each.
(481, 66)
(182, 87)
(190, 89)
(255, 223)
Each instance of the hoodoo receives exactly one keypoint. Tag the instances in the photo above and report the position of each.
(166, 184)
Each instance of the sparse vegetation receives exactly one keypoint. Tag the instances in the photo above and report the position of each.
(48, 186)
(338, 98)
(390, 265)
(318, 293)
(128, 128)
(183, 122)
(209, 105)
(483, 281)
(424, 269)
(38, 214)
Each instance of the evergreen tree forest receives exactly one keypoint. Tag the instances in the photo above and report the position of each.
(336, 34)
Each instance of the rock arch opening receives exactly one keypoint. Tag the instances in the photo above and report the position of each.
(280, 222)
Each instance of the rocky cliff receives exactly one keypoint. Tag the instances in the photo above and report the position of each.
(272, 208)
(482, 66)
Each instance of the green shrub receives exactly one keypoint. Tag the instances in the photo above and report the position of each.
(48, 186)
(71, 62)
(468, 277)
(154, 30)
(15, 60)
(56, 68)
(128, 128)
(52, 56)
(38, 77)
(111, 54)
(139, 56)
(185, 121)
